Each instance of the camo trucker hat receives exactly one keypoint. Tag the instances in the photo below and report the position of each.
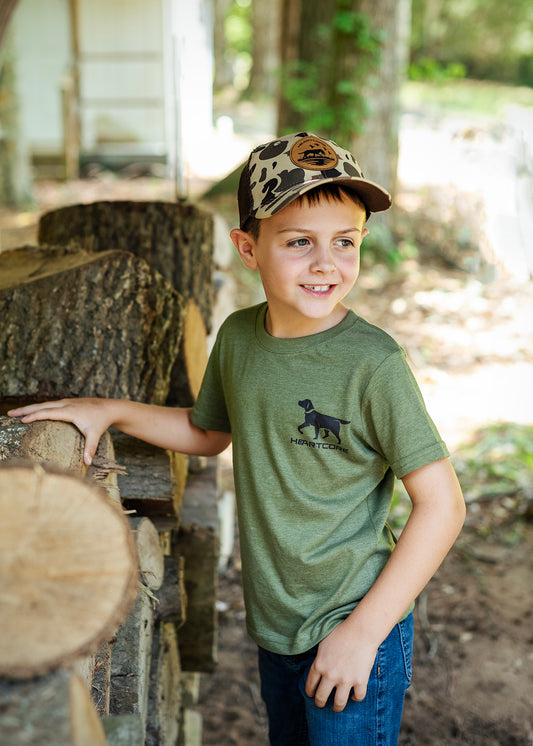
(283, 169)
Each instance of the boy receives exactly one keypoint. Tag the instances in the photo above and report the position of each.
(322, 411)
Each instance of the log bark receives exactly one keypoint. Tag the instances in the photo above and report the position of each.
(68, 572)
(101, 681)
(79, 324)
(130, 661)
(53, 710)
(153, 479)
(197, 542)
(171, 596)
(124, 730)
(190, 366)
(164, 698)
(175, 239)
(149, 552)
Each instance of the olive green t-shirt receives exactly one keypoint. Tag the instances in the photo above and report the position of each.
(320, 425)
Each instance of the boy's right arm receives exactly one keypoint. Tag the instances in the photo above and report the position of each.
(165, 427)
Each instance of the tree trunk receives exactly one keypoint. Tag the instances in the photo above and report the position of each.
(352, 77)
(15, 171)
(67, 567)
(223, 73)
(378, 143)
(54, 710)
(79, 324)
(175, 239)
(6, 9)
(264, 75)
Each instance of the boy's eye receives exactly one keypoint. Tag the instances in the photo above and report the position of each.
(345, 243)
(299, 243)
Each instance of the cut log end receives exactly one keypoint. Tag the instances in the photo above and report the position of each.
(68, 573)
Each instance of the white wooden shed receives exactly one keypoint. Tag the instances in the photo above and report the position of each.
(112, 80)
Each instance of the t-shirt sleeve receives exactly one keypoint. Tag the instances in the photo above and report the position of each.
(209, 411)
(397, 420)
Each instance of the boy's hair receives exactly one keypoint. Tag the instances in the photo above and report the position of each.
(329, 191)
(279, 171)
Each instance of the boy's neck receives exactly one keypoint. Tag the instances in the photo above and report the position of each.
(283, 329)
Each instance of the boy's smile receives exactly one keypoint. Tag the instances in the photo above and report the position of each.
(308, 259)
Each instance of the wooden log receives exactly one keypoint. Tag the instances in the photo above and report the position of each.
(124, 730)
(82, 324)
(189, 370)
(171, 596)
(176, 239)
(152, 481)
(104, 468)
(68, 572)
(149, 552)
(101, 679)
(197, 542)
(130, 661)
(164, 698)
(52, 710)
(191, 729)
(59, 443)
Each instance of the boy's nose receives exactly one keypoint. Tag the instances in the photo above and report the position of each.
(323, 260)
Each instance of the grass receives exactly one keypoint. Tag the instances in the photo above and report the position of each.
(472, 97)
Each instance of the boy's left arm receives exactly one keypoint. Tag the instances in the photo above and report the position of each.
(346, 656)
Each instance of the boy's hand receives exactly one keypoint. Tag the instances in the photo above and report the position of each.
(90, 416)
(343, 662)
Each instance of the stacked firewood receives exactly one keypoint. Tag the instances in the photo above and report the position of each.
(107, 574)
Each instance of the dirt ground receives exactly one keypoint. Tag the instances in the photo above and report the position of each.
(471, 346)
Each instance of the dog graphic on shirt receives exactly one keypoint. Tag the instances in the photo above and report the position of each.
(320, 421)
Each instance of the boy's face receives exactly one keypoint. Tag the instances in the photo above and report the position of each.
(308, 259)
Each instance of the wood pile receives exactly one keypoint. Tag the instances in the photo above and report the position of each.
(107, 573)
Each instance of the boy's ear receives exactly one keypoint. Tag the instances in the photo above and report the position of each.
(245, 245)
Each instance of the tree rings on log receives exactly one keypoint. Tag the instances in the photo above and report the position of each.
(68, 571)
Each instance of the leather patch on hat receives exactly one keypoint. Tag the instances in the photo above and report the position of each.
(313, 154)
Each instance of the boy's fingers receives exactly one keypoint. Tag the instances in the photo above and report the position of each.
(323, 691)
(313, 679)
(91, 444)
(359, 693)
(341, 698)
(32, 408)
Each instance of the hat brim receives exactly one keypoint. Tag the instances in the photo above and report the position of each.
(374, 197)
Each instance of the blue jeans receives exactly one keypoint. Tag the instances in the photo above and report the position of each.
(295, 720)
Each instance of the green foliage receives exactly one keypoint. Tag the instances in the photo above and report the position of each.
(328, 90)
(498, 462)
(491, 39)
(238, 39)
(435, 71)
(495, 470)
(379, 247)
